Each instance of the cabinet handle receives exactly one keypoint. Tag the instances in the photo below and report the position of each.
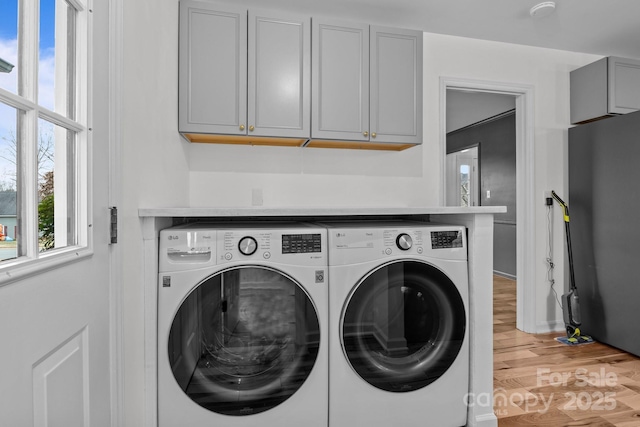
(241, 127)
(251, 128)
(365, 133)
(373, 134)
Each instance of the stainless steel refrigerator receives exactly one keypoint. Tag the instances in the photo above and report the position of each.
(604, 208)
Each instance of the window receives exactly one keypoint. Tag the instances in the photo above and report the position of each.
(43, 130)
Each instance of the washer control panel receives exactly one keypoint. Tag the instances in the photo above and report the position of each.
(193, 246)
(301, 243)
(277, 246)
(446, 239)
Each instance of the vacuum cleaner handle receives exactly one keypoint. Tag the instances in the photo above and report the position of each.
(565, 208)
(565, 214)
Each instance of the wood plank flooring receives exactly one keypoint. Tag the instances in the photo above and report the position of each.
(541, 382)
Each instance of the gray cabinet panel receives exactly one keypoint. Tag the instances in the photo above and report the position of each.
(607, 87)
(213, 69)
(624, 85)
(340, 81)
(279, 75)
(396, 85)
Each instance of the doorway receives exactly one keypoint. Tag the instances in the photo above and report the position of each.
(522, 95)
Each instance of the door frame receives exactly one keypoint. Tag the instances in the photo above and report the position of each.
(116, 291)
(525, 183)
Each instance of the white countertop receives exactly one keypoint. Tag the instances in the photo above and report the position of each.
(313, 211)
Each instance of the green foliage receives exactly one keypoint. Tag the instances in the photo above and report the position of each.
(45, 222)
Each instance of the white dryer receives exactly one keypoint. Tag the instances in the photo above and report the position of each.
(398, 321)
(242, 326)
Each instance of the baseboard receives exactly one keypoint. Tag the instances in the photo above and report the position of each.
(550, 326)
(483, 420)
(505, 275)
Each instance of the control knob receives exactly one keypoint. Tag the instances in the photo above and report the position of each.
(247, 245)
(404, 241)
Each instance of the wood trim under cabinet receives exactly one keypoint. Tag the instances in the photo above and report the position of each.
(359, 145)
(243, 140)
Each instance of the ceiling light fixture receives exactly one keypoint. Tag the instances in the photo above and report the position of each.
(543, 9)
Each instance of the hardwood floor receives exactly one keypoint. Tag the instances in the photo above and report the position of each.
(541, 382)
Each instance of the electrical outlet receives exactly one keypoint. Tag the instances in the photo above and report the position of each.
(256, 197)
(548, 198)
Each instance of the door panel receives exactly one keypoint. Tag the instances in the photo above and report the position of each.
(396, 85)
(244, 341)
(462, 178)
(279, 84)
(60, 392)
(340, 81)
(403, 326)
(213, 69)
(55, 325)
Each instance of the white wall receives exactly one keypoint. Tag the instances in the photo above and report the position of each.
(154, 166)
(160, 170)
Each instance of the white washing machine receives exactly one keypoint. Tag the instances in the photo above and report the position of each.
(398, 321)
(242, 326)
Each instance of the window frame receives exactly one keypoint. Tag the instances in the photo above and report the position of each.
(26, 104)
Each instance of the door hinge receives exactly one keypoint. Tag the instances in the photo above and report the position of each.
(114, 225)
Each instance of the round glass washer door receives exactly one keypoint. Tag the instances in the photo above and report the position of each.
(244, 340)
(403, 326)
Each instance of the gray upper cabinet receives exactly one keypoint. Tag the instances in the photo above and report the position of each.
(340, 80)
(396, 86)
(244, 73)
(366, 84)
(213, 69)
(246, 77)
(279, 84)
(607, 87)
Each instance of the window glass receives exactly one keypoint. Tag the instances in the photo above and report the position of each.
(56, 58)
(9, 45)
(8, 183)
(56, 186)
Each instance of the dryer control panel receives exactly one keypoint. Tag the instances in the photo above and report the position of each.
(357, 243)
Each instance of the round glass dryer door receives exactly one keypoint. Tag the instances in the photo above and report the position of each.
(244, 341)
(403, 326)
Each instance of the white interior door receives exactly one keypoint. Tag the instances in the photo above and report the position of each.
(55, 365)
(462, 178)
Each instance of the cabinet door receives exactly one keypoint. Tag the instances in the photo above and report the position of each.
(396, 85)
(624, 85)
(340, 81)
(279, 83)
(213, 69)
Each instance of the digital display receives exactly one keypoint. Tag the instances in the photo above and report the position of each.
(446, 239)
(301, 243)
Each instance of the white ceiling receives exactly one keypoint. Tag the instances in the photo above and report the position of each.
(601, 27)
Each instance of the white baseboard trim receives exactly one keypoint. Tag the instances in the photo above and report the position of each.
(550, 326)
(505, 275)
